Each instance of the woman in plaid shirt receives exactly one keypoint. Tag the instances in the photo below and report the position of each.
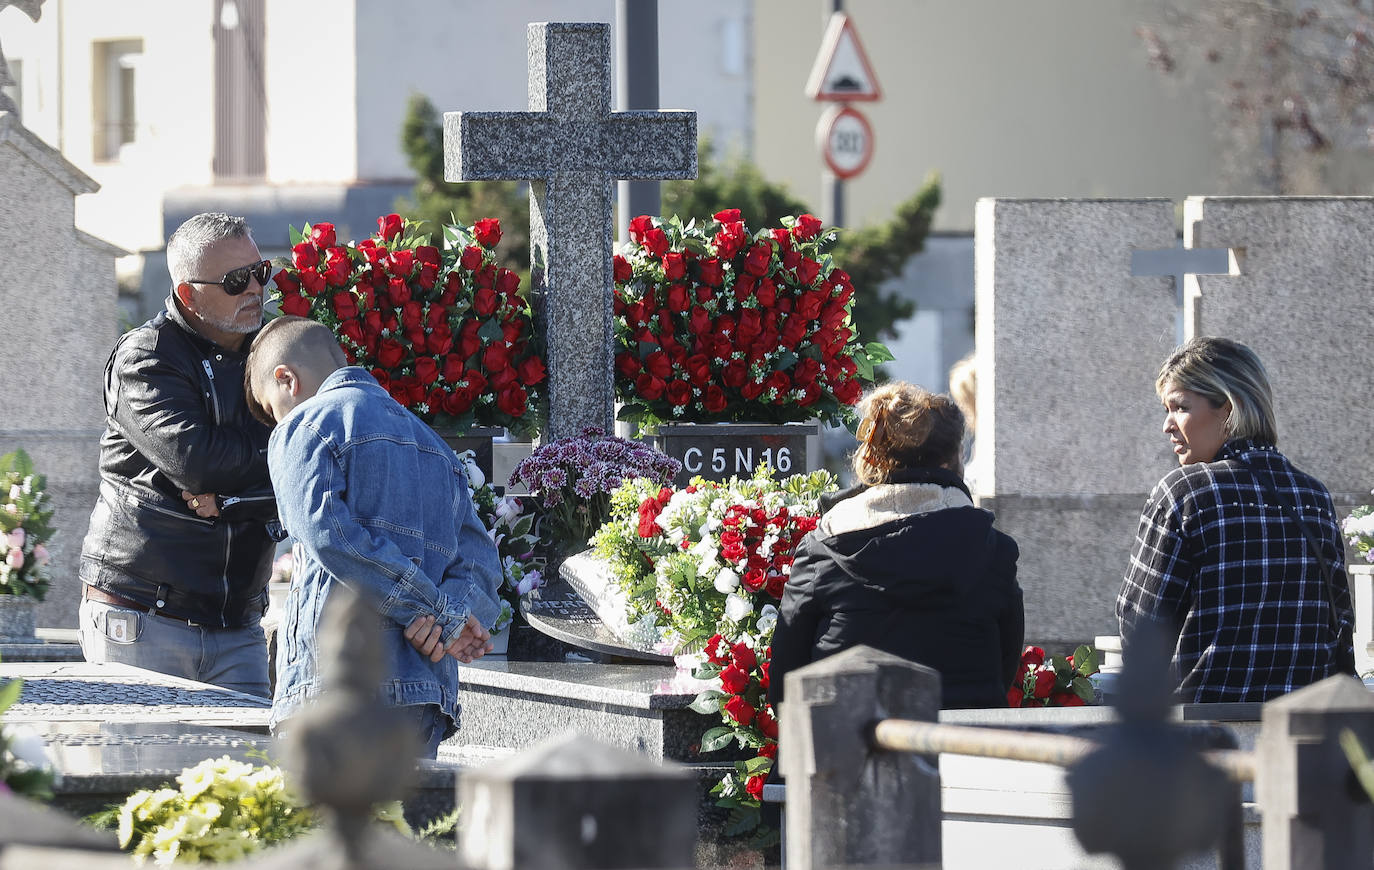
(1219, 562)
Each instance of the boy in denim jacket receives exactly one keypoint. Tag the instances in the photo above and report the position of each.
(379, 503)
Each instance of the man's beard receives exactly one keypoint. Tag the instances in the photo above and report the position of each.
(232, 324)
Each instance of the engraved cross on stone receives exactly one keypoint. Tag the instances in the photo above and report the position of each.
(572, 148)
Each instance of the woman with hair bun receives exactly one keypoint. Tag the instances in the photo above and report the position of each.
(1238, 558)
(905, 563)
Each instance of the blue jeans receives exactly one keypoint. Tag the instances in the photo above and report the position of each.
(431, 724)
(231, 658)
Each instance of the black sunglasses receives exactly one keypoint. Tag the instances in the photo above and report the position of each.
(235, 281)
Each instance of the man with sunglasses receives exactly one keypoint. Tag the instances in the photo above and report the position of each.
(166, 587)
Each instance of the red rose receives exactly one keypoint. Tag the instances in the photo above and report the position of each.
(411, 315)
(427, 370)
(767, 294)
(754, 579)
(397, 292)
(345, 305)
(440, 340)
(848, 392)
(390, 353)
(484, 302)
(648, 386)
(627, 364)
(1034, 656)
(399, 392)
(658, 364)
(751, 390)
(775, 584)
(531, 370)
(698, 369)
(476, 383)
(1066, 699)
(807, 271)
(621, 269)
(782, 236)
(808, 226)
(305, 256)
(322, 235)
(639, 226)
(714, 401)
(740, 710)
(457, 403)
(750, 327)
(295, 304)
(735, 374)
(744, 286)
(1044, 683)
(734, 680)
(487, 231)
(727, 216)
(809, 304)
(679, 392)
(744, 656)
(713, 650)
(711, 273)
(370, 250)
(1015, 696)
(381, 377)
(472, 258)
(507, 282)
(790, 259)
(674, 265)
(678, 300)
(286, 282)
(757, 260)
(495, 358)
(513, 400)
(389, 226)
(485, 276)
(401, 263)
(353, 331)
(754, 785)
(655, 242)
(767, 724)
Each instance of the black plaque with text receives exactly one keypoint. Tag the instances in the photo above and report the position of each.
(719, 451)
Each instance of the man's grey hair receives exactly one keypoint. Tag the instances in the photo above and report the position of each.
(188, 244)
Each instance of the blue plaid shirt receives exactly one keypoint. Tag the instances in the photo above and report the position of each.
(1232, 577)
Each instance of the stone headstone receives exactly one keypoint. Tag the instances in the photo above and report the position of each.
(572, 148)
(1301, 298)
(1069, 341)
(60, 288)
(572, 802)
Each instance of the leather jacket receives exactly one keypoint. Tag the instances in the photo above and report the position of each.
(176, 420)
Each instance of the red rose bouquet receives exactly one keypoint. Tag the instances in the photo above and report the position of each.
(446, 332)
(1059, 681)
(716, 324)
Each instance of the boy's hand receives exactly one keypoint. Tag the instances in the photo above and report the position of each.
(467, 646)
(424, 634)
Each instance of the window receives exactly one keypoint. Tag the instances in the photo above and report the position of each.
(115, 66)
(15, 90)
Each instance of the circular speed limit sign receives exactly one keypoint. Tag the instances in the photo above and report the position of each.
(846, 141)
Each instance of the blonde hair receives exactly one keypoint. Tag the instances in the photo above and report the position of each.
(1221, 370)
(904, 426)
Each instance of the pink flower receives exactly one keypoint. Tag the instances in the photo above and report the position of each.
(15, 559)
(40, 554)
(15, 538)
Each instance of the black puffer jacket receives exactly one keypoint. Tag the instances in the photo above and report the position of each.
(914, 569)
(176, 419)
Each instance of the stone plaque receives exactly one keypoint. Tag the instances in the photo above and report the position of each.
(719, 451)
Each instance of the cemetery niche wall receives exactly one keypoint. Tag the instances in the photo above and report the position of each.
(1069, 342)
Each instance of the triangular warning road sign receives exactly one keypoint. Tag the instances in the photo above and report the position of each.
(842, 72)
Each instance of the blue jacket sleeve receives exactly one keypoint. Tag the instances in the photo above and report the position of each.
(316, 513)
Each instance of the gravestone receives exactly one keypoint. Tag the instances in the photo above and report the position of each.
(1068, 344)
(1301, 298)
(572, 148)
(60, 290)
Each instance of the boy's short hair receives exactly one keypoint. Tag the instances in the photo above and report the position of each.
(287, 340)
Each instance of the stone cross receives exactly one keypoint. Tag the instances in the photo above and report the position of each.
(572, 148)
(1180, 263)
(33, 9)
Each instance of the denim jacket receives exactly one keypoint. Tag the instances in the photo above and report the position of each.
(379, 503)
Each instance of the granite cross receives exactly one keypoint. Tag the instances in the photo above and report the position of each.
(572, 148)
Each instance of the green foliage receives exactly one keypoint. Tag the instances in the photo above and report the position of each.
(24, 769)
(729, 182)
(440, 203)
